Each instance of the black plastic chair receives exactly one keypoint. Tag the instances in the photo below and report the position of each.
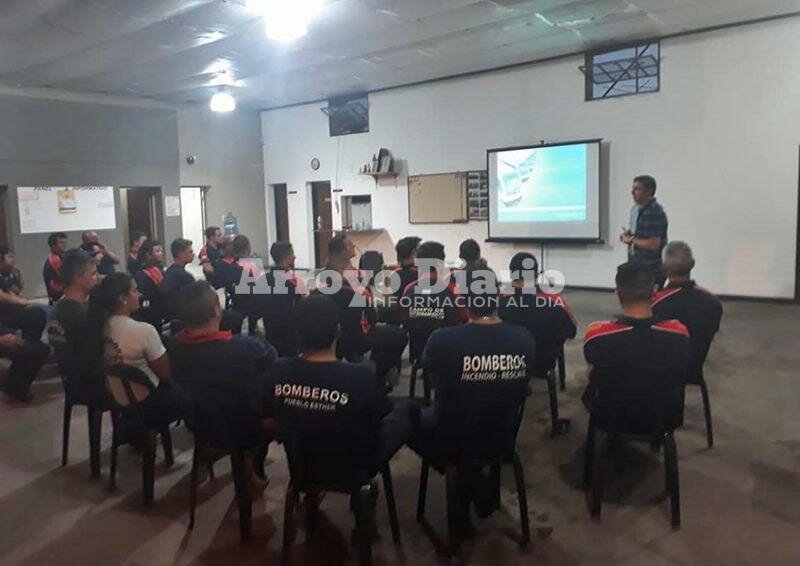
(558, 425)
(701, 382)
(562, 370)
(416, 344)
(638, 403)
(128, 388)
(486, 440)
(79, 390)
(696, 377)
(212, 437)
(313, 471)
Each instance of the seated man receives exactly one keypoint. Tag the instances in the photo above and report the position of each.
(406, 271)
(684, 300)
(66, 330)
(360, 332)
(546, 316)
(68, 317)
(481, 370)
(106, 258)
(634, 339)
(423, 311)
(246, 301)
(210, 254)
(176, 278)
(222, 374)
(406, 249)
(27, 358)
(137, 239)
(17, 312)
(10, 275)
(52, 265)
(149, 279)
(469, 251)
(339, 405)
(286, 291)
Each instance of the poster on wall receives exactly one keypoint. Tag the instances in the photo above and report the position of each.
(478, 192)
(65, 209)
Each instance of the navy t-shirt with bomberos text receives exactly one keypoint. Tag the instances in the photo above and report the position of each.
(481, 374)
(479, 366)
(333, 400)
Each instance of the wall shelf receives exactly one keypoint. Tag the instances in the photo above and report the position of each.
(381, 174)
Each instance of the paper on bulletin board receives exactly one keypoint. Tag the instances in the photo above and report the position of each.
(172, 206)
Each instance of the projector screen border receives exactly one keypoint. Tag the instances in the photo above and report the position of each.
(537, 145)
(522, 240)
(506, 240)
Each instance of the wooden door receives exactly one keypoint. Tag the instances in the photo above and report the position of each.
(323, 220)
(281, 212)
(3, 233)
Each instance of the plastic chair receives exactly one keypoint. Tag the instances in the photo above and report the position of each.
(483, 439)
(312, 471)
(128, 388)
(558, 425)
(706, 407)
(212, 433)
(640, 403)
(79, 390)
(239, 482)
(416, 344)
(562, 370)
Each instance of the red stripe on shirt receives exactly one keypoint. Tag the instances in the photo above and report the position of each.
(55, 262)
(604, 328)
(185, 338)
(674, 326)
(661, 295)
(155, 275)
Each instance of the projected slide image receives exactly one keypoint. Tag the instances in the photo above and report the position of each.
(544, 184)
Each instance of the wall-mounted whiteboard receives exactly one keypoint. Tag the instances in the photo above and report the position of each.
(65, 209)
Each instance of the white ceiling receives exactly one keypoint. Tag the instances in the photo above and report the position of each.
(174, 50)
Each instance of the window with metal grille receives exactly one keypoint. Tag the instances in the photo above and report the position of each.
(623, 71)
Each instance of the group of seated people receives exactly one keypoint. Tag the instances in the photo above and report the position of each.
(481, 343)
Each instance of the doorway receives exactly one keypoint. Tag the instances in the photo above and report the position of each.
(141, 211)
(193, 216)
(322, 218)
(281, 207)
(3, 204)
(797, 247)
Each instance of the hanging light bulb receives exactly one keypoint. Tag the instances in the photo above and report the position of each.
(222, 101)
(285, 20)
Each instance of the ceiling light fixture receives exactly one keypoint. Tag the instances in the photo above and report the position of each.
(285, 20)
(222, 101)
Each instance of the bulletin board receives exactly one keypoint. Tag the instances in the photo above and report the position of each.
(437, 199)
(65, 209)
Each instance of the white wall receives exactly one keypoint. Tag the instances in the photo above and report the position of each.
(229, 160)
(721, 138)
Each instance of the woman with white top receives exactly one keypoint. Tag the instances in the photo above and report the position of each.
(114, 338)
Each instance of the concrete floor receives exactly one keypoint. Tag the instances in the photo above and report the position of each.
(741, 499)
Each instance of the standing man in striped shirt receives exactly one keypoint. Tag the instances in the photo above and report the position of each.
(646, 235)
